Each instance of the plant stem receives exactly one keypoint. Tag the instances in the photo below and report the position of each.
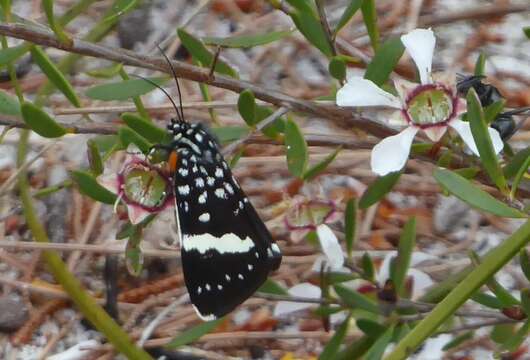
(492, 262)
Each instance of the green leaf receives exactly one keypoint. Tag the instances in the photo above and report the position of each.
(10, 54)
(134, 258)
(9, 105)
(491, 111)
(525, 301)
(370, 21)
(356, 300)
(54, 75)
(370, 327)
(129, 136)
(384, 61)
(487, 300)
(246, 105)
(368, 267)
(472, 195)
(150, 131)
(90, 187)
(340, 277)
(524, 260)
(273, 130)
(332, 347)
(520, 174)
(502, 332)
(468, 173)
(247, 41)
(318, 168)
(229, 133)
(459, 340)
(312, 29)
(526, 31)
(296, 148)
(378, 189)
(378, 348)
(40, 122)
(272, 287)
(350, 225)
(479, 129)
(94, 158)
(119, 8)
(193, 334)
(348, 13)
(407, 241)
(516, 163)
(480, 65)
(303, 6)
(337, 68)
(106, 72)
(200, 53)
(54, 25)
(515, 341)
(123, 90)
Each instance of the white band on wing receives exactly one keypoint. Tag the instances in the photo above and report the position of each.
(228, 243)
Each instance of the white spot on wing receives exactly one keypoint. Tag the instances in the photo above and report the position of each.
(205, 217)
(219, 172)
(210, 181)
(229, 188)
(220, 193)
(203, 170)
(183, 189)
(199, 290)
(198, 137)
(183, 171)
(202, 198)
(207, 286)
(227, 277)
(240, 276)
(250, 267)
(199, 182)
(220, 287)
(227, 244)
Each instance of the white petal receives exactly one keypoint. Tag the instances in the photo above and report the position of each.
(404, 88)
(392, 152)
(420, 282)
(397, 119)
(136, 214)
(384, 270)
(362, 92)
(109, 182)
(463, 129)
(420, 46)
(306, 290)
(330, 247)
(435, 133)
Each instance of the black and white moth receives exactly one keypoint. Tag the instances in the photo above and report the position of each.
(227, 251)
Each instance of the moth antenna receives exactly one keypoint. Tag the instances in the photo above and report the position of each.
(164, 91)
(176, 79)
(518, 111)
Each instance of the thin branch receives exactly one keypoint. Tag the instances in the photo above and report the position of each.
(342, 116)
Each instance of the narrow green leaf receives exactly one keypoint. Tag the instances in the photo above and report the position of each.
(133, 254)
(479, 129)
(11, 54)
(525, 301)
(273, 130)
(340, 277)
(368, 267)
(303, 6)
(200, 53)
(227, 134)
(468, 173)
(515, 341)
(296, 148)
(246, 105)
(487, 300)
(378, 348)
(356, 300)
(491, 111)
(526, 31)
(502, 332)
(350, 225)
(524, 259)
(90, 187)
(9, 105)
(272, 287)
(123, 90)
(516, 163)
(120, 8)
(129, 136)
(348, 13)
(312, 29)
(54, 75)
(378, 189)
(370, 20)
(384, 61)
(520, 174)
(472, 195)
(40, 122)
(480, 65)
(193, 334)
(106, 72)
(150, 131)
(332, 347)
(370, 327)
(54, 25)
(94, 158)
(459, 340)
(337, 68)
(318, 168)
(407, 241)
(247, 41)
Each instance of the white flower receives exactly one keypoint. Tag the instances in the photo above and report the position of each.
(430, 106)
